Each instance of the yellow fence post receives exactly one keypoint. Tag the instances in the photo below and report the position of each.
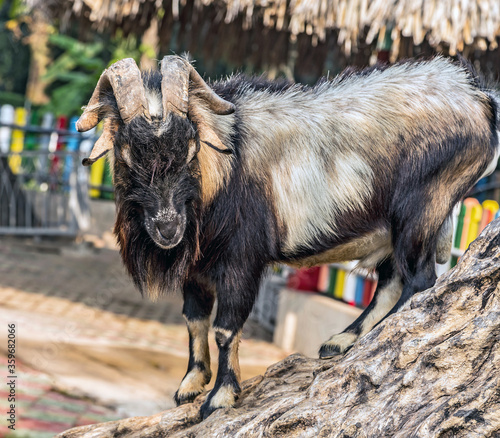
(17, 143)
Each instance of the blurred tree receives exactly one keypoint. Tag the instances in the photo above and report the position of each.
(150, 45)
(71, 77)
(14, 54)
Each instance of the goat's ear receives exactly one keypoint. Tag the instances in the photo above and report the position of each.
(210, 138)
(206, 133)
(186, 93)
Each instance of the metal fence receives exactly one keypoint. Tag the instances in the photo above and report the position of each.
(43, 186)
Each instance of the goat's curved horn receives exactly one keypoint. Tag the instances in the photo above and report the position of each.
(176, 74)
(125, 80)
(174, 85)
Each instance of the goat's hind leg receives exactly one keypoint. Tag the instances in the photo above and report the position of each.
(422, 277)
(198, 303)
(386, 295)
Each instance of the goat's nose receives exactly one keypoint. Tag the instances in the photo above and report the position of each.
(168, 230)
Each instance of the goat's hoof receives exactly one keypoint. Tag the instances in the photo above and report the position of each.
(182, 399)
(206, 410)
(224, 397)
(337, 345)
(192, 385)
(327, 352)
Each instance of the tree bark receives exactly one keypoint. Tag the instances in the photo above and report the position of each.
(431, 370)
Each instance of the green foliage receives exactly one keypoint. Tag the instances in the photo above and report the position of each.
(73, 74)
(125, 48)
(14, 55)
(76, 69)
(15, 99)
(12, 8)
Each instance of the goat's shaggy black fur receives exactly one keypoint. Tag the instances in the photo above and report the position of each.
(157, 162)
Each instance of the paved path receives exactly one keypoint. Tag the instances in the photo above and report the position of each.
(42, 411)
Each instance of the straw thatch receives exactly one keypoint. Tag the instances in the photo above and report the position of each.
(279, 33)
(455, 22)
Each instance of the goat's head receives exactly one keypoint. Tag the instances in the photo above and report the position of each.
(156, 174)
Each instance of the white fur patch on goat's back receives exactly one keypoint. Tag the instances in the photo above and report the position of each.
(308, 196)
(370, 114)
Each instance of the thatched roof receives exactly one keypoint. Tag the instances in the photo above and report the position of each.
(454, 22)
(291, 34)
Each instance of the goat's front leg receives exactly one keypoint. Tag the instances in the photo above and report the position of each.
(421, 278)
(198, 303)
(233, 308)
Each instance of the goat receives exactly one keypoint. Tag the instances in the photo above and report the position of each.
(214, 183)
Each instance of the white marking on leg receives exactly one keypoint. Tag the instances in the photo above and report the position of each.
(198, 329)
(445, 241)
(233, 358)
(225, 397)
(193, 383)
(493, 164)
(226, 333)
(233, 363)
(386, 299)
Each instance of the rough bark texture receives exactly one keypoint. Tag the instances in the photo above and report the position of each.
(431, 370)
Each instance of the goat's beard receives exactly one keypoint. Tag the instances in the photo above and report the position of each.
(155, 270)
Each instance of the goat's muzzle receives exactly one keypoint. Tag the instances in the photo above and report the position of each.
(166, 228)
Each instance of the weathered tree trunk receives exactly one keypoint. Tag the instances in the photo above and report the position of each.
(431, 370)
(151, 45)
(40, 57)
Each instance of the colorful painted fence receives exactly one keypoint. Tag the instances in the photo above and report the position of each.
(24, 138)
(470, 219)
(356, 287)
(43, 187)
